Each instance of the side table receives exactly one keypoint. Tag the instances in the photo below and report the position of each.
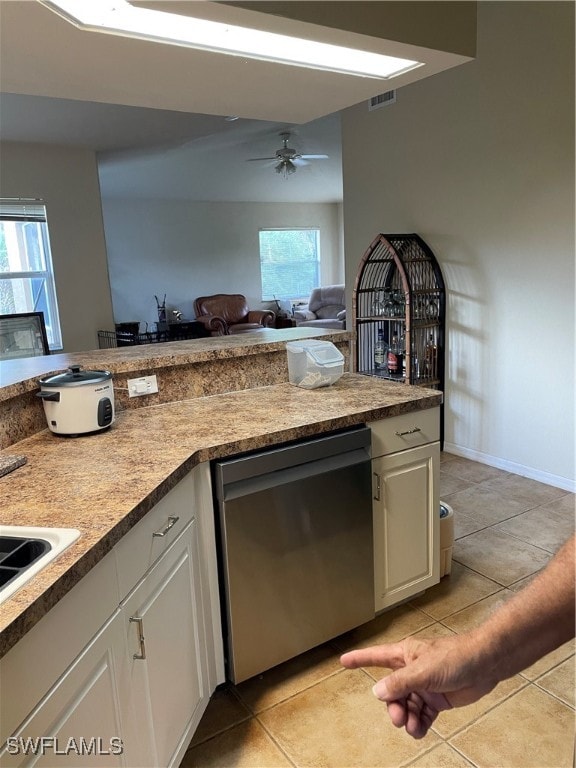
(181, 331)
(284, 322)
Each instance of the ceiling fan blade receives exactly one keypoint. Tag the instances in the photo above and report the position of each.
(251, 159)
(315, 157)
(299, 161)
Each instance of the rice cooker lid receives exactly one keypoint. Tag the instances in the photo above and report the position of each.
(75, 377)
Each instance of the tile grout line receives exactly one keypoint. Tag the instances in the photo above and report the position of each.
(454, 613)
(524, 685)
(274, 740)
(254, 713)
(490, 578)
(549, 692)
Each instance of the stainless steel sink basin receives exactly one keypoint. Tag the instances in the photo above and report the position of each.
(26, 550)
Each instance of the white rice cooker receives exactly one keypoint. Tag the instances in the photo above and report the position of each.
(78, 402)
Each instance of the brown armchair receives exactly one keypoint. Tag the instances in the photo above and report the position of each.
(227, 313)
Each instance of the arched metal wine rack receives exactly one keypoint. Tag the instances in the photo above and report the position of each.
(400, 291)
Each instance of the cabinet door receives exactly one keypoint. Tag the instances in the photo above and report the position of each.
(167, 652)
(80, 721)
(43, 655)
(406, 523)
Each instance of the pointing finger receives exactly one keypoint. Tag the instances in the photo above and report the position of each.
(390, 656)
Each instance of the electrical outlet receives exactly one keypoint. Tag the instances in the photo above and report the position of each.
(145, 385)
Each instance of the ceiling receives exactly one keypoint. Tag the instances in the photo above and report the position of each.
(155, 113)
(217, 167)
(163, 154)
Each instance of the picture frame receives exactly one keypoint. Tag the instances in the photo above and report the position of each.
(23, 334)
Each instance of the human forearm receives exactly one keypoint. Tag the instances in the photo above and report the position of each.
(533, 622)
(432, 675)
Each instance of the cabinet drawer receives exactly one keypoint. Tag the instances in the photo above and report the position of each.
(409, 430)
(139, 549)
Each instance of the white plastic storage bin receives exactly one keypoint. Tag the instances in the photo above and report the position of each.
(313, 363)
(446, 538)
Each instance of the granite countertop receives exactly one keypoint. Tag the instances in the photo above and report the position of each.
(21, 374)
(102, 484)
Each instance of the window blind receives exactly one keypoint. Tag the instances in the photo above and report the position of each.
(22, 209)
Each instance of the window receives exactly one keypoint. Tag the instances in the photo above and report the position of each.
(26, 274)
(289, 262)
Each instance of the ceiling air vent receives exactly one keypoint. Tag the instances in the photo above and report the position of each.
(382, 100)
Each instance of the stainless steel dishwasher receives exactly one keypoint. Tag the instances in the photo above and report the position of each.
(296, 547)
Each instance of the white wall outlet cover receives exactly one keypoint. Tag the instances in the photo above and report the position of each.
(145, 385)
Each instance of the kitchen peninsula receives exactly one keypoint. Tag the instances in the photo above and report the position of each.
(184, 369)
(218, 397)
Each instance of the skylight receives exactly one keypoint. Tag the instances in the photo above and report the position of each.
(118, 17)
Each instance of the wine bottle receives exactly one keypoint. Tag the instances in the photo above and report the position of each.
(394, 357)
(380, 352)
(403, 354)
(430, 357)
(415, 363)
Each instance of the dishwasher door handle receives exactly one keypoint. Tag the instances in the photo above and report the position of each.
(268, 480)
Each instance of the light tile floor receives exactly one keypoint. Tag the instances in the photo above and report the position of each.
(311, 713)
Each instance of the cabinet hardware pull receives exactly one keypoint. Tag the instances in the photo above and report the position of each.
(377, 494)
(171, 523)
(138, 621)
(408, 432)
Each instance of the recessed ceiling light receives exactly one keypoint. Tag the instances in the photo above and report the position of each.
(118, 17)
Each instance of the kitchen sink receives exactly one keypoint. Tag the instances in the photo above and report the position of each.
(26, 550)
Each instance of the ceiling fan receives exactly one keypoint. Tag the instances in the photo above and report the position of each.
(288, 159)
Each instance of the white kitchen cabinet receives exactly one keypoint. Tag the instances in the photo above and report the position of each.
(32, 667)
(169, 687)
(96, 692)
(406, 504)
(167, 571)
(80, 721)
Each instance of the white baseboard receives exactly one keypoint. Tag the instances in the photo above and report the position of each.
(557, 481)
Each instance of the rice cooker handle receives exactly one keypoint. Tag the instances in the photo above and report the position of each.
(55, 396)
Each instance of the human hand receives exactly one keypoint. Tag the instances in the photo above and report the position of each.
(429, 676)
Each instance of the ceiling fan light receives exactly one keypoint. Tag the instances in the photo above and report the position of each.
(285, 167)
(118, 17)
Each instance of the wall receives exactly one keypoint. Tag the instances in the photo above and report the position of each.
(67, 180)
(480, 162)
(185, 249)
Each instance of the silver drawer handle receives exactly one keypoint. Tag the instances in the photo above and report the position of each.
(142, 655)
(171, 523)
(408, 432)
